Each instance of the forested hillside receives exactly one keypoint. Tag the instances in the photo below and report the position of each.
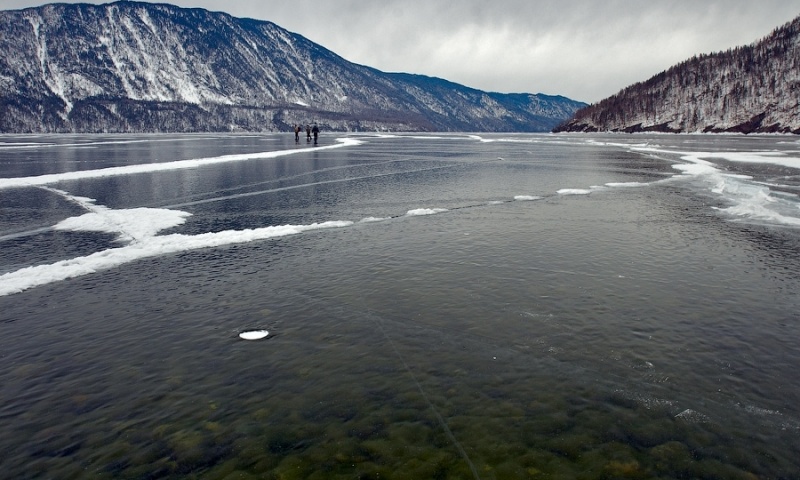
(754, 88)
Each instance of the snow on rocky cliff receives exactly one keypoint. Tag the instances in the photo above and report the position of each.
(133, 66)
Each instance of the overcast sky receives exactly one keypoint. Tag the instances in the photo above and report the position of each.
(583, 49)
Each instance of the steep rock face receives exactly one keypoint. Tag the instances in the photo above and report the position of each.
(755, 88)
(133, 67)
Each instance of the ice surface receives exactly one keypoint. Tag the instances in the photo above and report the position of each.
(760, 206)
(138, 228)
(749, 200)
(692, 416)
(774, 158)
(146, 247)
(159, 167)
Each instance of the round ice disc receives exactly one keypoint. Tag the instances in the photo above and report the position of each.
(253, 334)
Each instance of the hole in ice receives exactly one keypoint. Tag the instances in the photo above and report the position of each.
(253, 334)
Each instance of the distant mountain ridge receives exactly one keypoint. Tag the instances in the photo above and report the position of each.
(144, 67)
(750, 89)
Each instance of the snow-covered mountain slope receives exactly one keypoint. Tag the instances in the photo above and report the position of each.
(755, 88)
(132, 67)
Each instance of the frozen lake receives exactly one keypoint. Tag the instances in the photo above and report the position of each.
(438, 306)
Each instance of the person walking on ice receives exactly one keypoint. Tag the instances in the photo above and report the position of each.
(315, 131)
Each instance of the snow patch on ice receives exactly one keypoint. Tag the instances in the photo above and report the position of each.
(697, 167)
(626, 184)
(253, 334)
(774, 158)
(425, 211)
(574, 191)
(130, 224)
(526, 198)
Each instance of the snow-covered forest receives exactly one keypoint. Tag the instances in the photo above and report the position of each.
(753, 88)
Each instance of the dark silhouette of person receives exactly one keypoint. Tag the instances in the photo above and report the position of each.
(315, 131)
(296, 133)
(308, 133)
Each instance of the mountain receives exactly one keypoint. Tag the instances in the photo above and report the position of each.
(755, 88)
(144, 67)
